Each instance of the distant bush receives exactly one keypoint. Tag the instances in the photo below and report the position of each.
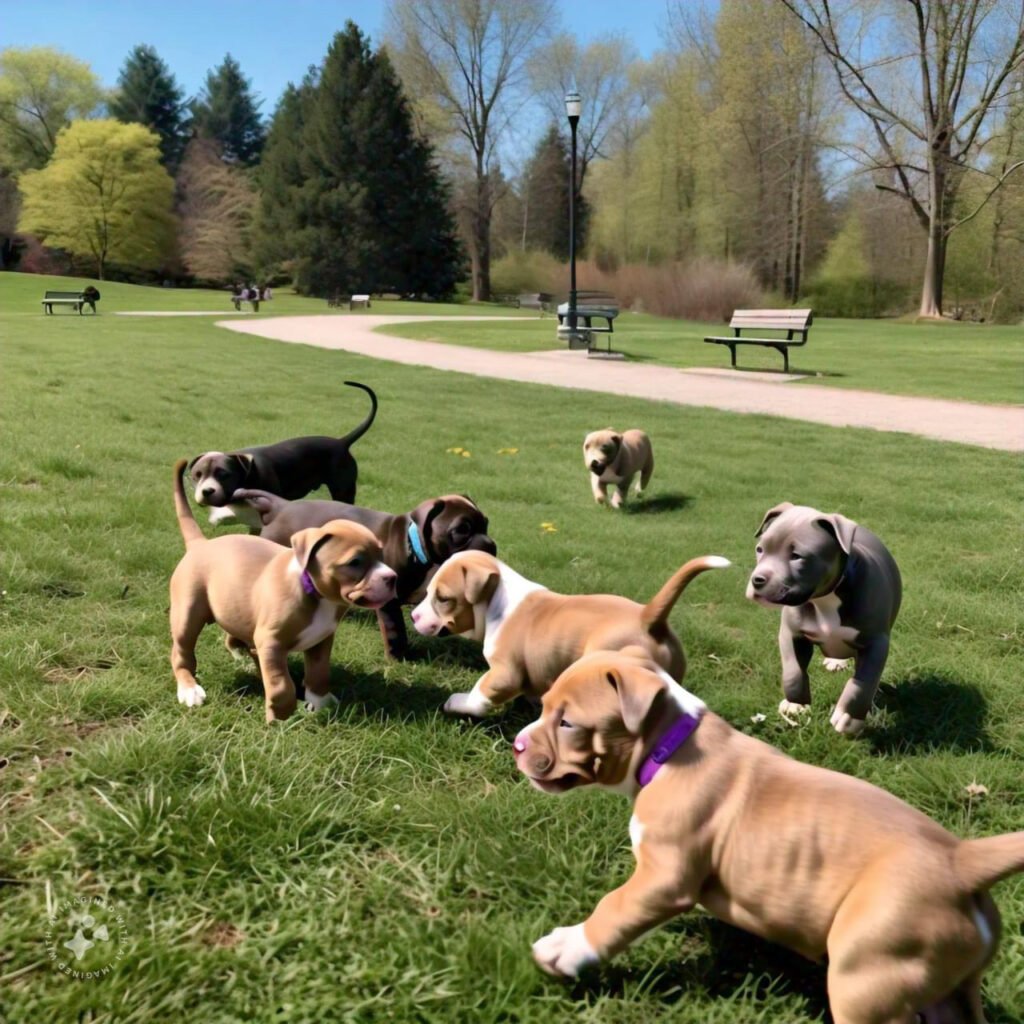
(707, 290)
(857, 297)
(522, 273)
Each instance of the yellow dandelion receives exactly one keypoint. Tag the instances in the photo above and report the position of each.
(508, 451)
(464, 454)
(549, 527)
(455, 451)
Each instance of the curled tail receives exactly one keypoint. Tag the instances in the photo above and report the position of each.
(186, 521)
(980, 863)
(655, 615)
(353, 435)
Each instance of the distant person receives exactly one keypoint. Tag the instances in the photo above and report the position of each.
(254, 297)
(267, 293)
(236, 296)
(91, 296)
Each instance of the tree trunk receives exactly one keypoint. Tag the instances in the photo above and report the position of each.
(481, 240)
(935, 261)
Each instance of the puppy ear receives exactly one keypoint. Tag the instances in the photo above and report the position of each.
(245, 463)
(192, 462)
(305, 542)
(480, 582)
(841, 528)
(771, 515)
(639, 690)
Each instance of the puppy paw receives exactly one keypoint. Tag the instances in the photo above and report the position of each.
(472, 704)
(191, 696)
(835, 664)
(790, 710)
(222, 515)
(617, 499)
(844, 722)
(314, 702)
(564, 952)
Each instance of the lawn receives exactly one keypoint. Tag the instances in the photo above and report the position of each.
(964, 361)
(386, 862)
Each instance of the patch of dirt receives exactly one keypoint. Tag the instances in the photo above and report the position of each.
(76, 673)
(223, 935)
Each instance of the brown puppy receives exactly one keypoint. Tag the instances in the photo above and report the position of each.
(414, 544)
(820, 862)
(530, 634)
(271, 601)
(615, 458)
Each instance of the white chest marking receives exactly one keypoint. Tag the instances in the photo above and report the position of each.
(819, 622)
(636, 832)
(507, 597)
(321, 626)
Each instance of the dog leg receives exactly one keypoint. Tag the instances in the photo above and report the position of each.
(647, 900)
(392, 628)
(318, 676)
(186, 625)
(622, 491)
(278, 687)
(859, 693)
(796, 651)
(496, 686)
(600, 489)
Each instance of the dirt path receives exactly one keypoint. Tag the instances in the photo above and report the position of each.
(990, 426)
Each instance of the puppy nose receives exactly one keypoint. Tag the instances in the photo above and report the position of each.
(207, 492)
(519, 743)
(758, 581)
(595, 467)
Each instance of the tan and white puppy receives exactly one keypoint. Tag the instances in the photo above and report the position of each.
(271, 600)
(615, 458)
(531, 634)
(823, 863)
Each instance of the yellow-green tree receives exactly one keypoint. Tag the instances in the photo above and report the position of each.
(103, 195)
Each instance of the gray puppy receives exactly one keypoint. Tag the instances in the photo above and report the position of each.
(840, 590)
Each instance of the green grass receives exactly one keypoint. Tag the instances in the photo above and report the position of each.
(388, 863)
(970, 362)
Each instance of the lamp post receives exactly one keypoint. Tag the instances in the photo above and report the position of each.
(572, 109)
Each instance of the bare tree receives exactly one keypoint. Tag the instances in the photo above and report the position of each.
(601, 74)
(466, 58)
(961, 55)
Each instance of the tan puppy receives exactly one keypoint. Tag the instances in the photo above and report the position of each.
(614, 458)
(531, 634)
(820, 862)
(271, 600)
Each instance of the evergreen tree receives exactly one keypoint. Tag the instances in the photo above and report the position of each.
(545, 197)
(148, 94)
(227, 112)
(350, 193)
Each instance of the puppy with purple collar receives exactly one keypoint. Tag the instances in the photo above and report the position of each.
(840, 590)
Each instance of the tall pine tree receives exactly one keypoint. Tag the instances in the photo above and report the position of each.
(545, 198)
(148, 94)
(228, 112)
(350, 193)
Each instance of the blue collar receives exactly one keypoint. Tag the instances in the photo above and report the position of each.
(416, 544)
(848, 573)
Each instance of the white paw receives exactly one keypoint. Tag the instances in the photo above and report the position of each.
(475, 704)
(222, 515)
(191, 696)
(788, 709)
(844, 722)
(835, 664)
(617, 499)
(314, 702)
(564, 952)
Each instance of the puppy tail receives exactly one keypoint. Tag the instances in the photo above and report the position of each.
(655, 615)
(353, 435)
(186, 521)
(980, 863)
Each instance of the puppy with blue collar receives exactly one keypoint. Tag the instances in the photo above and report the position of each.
(840, 590)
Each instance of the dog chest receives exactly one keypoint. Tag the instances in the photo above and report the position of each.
(819, 622)
(321, 626)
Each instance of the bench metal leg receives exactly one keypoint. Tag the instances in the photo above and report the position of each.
(785, 356)
(732, 349)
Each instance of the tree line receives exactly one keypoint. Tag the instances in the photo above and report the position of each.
(760, 135)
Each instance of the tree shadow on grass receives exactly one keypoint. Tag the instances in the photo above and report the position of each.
(930, 711)
(668, 502)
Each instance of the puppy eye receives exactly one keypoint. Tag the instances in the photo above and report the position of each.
(797, 557)
(566, 724)
(759, 550)
(356, 563)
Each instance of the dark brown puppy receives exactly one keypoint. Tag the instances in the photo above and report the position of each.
(289, 468)
(414, 544)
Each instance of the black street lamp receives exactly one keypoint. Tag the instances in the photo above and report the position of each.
(573, 107)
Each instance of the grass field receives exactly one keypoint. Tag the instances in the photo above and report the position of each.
(386, 863)
(970, 362)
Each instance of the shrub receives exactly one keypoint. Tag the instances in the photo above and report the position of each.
(521, 273)
(857, 297)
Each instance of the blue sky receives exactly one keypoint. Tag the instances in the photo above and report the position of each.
(274, 41)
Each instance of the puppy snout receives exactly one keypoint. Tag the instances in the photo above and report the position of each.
(415, 616)
(595, 466)
(757, 581)
(520, 743)
(484, 543)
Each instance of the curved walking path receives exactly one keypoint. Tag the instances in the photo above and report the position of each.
(990, 426)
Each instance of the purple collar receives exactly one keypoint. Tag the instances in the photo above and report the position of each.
(307, 584)
(671, 740)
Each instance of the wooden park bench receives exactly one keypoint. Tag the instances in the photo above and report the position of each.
(590, 306)
(337, 301)
(792, 321)
(76, 299)
(537, 300)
